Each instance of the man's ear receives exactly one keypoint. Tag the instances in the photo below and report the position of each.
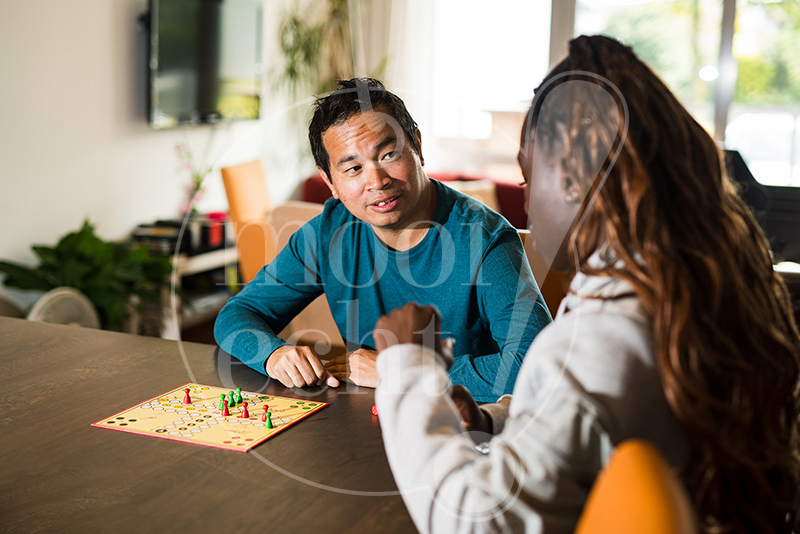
(418, 135)
(328, 182)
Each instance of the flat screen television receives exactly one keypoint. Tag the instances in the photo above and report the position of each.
(205, 61)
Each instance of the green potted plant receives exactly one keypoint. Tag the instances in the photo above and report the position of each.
(112, 275)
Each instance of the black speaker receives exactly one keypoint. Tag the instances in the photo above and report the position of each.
(776, 208)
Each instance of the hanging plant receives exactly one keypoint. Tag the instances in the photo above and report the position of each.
(317, 49)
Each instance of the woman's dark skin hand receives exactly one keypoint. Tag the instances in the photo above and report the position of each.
(473, 418)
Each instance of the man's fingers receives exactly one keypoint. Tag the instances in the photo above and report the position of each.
(341, 377)
(316, 366)
(339, 371)
(308, 373)
(332, 381)
(308, 365)
(284, 378)
(296, 367)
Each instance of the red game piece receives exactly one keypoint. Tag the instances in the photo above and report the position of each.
(186, 398)
(264, 417)
(245, 414)
(225, 412)
(375, 410)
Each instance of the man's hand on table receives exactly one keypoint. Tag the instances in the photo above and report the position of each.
(297, 367)
(357, 367)
(410, 324)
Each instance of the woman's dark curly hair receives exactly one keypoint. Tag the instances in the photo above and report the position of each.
(727, 346)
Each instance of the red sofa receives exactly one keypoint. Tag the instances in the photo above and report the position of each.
(509, 196)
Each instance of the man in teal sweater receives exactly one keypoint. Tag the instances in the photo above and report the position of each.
(389, 236)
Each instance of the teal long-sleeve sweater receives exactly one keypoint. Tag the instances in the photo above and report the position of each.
(470, 265)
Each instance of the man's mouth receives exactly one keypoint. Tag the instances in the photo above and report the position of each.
(385, 204)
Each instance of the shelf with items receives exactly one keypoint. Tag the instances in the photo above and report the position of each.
(205, 268)
(205, 280)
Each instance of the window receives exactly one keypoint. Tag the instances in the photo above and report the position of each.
(487, 61)
(764, 117)
(680, 40)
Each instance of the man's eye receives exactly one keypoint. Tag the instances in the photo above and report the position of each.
(353, 170)
(390, 155)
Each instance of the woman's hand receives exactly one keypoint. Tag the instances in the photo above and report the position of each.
(472, 417)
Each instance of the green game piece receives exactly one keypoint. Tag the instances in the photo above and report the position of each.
(231, 401)
(239, 398)
(269, 421)
(222, 402)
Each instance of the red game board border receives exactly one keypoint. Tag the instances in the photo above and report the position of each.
(99, 424)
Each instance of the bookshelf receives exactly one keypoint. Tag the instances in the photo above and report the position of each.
(207, 298)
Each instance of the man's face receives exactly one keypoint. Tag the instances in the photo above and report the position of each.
(375, 172)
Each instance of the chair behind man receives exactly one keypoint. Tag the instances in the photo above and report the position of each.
(250, 207)
(551, 284)
(315, 324)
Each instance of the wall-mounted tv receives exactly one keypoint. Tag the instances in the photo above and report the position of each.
(205, 61)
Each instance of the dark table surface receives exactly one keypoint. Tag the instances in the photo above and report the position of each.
(327, 473)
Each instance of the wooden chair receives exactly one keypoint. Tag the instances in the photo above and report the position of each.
(551, 284)
(315, 323)
(250, 206)
(261, 233)
(636, 493)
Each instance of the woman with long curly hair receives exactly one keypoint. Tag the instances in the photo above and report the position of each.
(675, 330)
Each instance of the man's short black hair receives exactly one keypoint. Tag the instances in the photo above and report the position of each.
(351, 97)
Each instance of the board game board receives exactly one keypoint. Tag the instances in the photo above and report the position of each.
(201, 422)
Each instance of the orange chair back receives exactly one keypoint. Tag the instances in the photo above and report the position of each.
(636, 493)
(249, 203)
(247, 193)
(315, 324)
(551, 284)
(255, 242)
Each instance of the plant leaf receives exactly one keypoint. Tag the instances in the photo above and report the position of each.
(47, 255)
(22, 277)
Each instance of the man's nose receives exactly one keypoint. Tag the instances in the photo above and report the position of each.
(377, 176)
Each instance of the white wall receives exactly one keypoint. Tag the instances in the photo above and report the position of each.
(74, 138)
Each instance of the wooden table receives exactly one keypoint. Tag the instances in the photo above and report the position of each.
(327, 473)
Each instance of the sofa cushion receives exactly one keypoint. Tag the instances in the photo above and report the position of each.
(510, 196)
(483, 190)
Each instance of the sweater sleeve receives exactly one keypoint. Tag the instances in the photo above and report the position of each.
(535, 477)
(247, 326)
(511, 304)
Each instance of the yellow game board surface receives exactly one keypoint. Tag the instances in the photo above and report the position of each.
(201, 421)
